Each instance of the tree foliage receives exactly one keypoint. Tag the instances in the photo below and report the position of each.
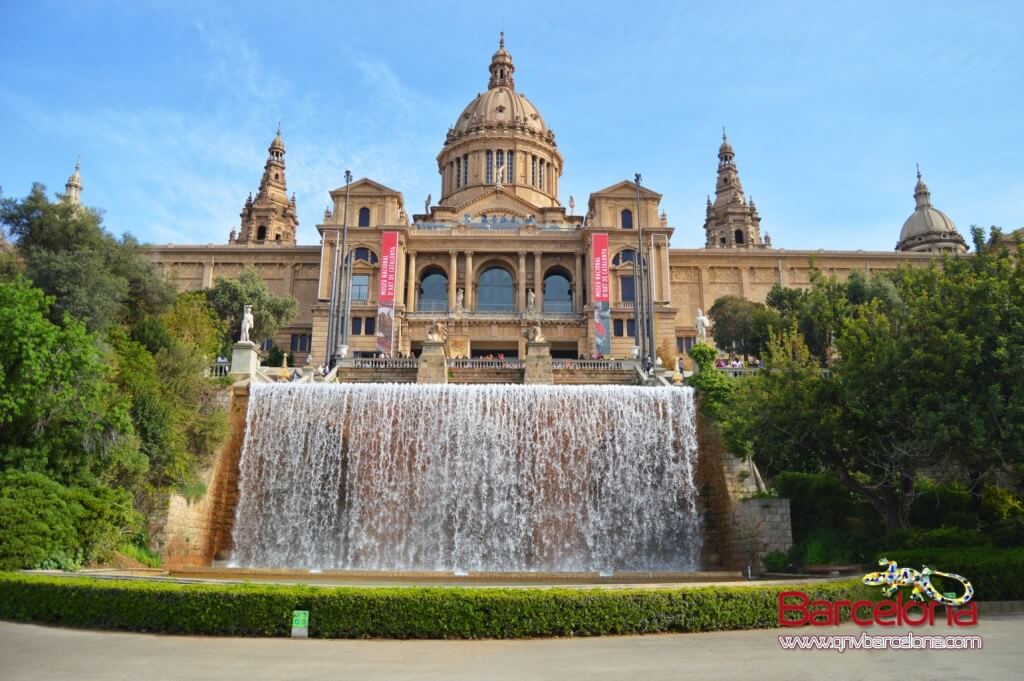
(270, 312)
(742, 325)
(879, 379)
(92, 276)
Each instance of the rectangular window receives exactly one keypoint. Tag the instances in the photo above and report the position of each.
(267, 344)
(360, 287)
(465, 170)
(300, 342)
(540, 170)
(357, 326)
(458, 173)
(370, 326)
(617, 324)
(490, 167)
(533, 171)
(511, 174)
(627, 288)
(631, 328)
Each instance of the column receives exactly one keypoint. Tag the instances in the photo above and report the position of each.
(577, 284)
(538, 284)
(666, 272)
(410, 283)
(521, 306)
(453, 278)
(467, 302)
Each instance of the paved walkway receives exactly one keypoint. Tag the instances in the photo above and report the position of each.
(35, 652)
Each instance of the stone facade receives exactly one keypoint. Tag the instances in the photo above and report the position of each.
(499, 236)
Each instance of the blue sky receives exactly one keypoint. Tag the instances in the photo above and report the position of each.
(172, 105)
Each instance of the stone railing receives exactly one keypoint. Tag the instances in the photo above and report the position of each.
(503, 226)
(478, 363)
(593, 364)
(738, 372)
(384, 363)
(539, 316)
(219, 369)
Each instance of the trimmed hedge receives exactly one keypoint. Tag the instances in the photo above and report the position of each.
(413, 612)
(995, 574)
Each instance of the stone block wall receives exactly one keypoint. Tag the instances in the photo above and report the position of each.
(198, 532)
(739, 528)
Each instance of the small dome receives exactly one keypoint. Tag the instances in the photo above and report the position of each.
(927, 226)
(500, 106)
(278, 143)
(926, 220)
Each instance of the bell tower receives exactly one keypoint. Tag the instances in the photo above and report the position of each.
(270, 218)
(731, 222)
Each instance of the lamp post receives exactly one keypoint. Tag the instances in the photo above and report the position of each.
(342, 338)
(639, 281)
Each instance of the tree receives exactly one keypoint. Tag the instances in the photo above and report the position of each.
(923, 372)
(92, 276)
(270, 312)
(742, 325)
(59, 412)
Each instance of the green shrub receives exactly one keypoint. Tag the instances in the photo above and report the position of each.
(36, 525)
(44, 524)
(776, 561)
(141, 554)
(994, 573)
(414, 612)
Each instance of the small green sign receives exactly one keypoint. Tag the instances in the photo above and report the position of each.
(300, 619)
(949, 594)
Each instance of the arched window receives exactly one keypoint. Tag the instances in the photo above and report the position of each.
(557, 292)
(622, 257)
(433, 291)
(261, 233)
(495, 292)
(627, 219)
(364, 217)
(739, 236)
(500, 164)
(490, 166)
(363, 253)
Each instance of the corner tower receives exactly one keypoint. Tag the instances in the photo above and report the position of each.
(928, 229)
(73, 187)
(500, 143)
(271, 217)
(731, 222)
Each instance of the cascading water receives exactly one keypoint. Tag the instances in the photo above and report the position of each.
(468, 478)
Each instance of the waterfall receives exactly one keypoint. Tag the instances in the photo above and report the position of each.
(468, 478)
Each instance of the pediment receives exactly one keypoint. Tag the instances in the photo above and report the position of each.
(365, 186)
(498, 202)
(626, 188)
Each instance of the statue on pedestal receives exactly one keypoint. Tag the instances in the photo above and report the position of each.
(702, 326)
(459, 296)
(246, 326)
(438, 333)
(533, 334)
(531, 301)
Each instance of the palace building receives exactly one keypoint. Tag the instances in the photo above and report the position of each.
(498, 252)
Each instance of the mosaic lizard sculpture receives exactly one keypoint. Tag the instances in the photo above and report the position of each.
(893, 577)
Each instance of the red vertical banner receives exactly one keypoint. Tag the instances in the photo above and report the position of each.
(602, 294)
(386, 293)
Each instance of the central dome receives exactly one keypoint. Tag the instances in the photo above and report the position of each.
(500, 106)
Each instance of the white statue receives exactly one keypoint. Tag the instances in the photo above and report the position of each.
(247, 322)
(531, 301)
(459, 295)
(438, 333)
(534, 334)
(702, 326)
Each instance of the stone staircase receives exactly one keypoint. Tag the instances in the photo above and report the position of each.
(477, 375)
(595, 377)
(376, 375)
